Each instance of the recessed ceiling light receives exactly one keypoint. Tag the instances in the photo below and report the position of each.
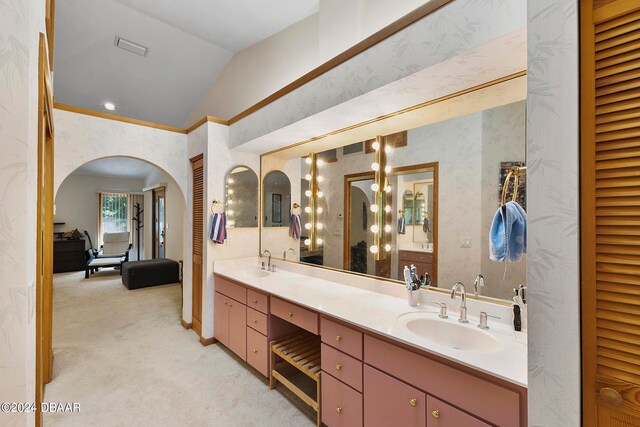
(109, 106)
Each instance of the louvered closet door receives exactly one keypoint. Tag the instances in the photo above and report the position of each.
(610, 147)
(198, 242)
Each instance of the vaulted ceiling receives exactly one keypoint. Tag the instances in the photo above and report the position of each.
(189, 42)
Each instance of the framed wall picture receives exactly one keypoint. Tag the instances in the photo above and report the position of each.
(276, 208)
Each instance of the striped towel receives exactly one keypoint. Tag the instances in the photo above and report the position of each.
(425, 226)
(295, 226)
(401, 226)
(218, 231)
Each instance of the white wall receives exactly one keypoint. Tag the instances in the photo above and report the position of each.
(260, 70)
(20, 22)
(77, 201)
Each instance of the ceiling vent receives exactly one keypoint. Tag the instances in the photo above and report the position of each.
(130, 46)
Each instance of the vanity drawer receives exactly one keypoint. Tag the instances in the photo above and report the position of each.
(306, 319)
(341, 337)
(441, 414)
(231, 289)
(390, 402)
(496, 404)
(257, 351)
(258, 301)
(341, 405)
(343, 367)
(257, 320)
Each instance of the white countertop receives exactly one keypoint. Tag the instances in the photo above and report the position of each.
(375, 306)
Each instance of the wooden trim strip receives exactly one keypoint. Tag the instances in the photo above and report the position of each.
(405, 110)
(357, 49)
(115, 117)
(208, 341)
(185, 324)
(204, 120)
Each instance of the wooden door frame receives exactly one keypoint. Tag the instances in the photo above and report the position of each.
(44, 228)
(154, 210)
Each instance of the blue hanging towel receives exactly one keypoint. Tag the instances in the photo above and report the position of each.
(218, 232)
(295, 226)
(508, 235)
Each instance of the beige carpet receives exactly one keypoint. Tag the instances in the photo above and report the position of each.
(124, 356)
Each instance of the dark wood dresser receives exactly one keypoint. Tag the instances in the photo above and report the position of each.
(422, 260)
(68, 255)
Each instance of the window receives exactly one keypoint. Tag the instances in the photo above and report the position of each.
(114, 213)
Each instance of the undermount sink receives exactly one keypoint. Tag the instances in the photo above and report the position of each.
(252, 274)
(450, 333)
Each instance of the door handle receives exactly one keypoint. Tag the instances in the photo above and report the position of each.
(610, 396)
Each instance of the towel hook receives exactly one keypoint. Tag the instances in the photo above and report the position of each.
(216, 205)
(515, 173)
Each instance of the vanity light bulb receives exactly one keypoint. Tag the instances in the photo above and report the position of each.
(387, 209)
(230, 181)
(307, 226)
(320, 178)
(320, 194)
(307, 242)
(375, 145)
(230, 212)
(388, 149)
(319, 241)
(308, 160)
(230, 223)
(375, 187)
(230, 191)
(374, 249)
(387, 189)
(387, 229)
(387, 247)
(375, 166)
(387, 169)
(319, 162)
(319, 226)
(230, 202)
(308, 177)
(374, 228)
(307, 193)
(319, 210)
(374, 208)
(307, 209)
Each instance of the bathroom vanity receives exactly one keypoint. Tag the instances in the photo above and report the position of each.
(383, 362)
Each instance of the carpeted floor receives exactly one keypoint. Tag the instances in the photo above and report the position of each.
(124, 356)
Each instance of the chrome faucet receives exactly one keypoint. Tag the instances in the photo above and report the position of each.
(262, 255)
(284, 254)
(463, 304)
(478, 283)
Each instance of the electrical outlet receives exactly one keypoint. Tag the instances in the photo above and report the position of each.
(465, 242)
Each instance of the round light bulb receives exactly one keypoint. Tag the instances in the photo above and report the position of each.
(319, 162)
(308, 177)
(387, 169)
(307, 226)
(307, 193)
(230, 212)
(319, 241)
(320, 178)
(375, 187)
(375, 145)
(374, 208)
(320, 194)
(374, 228)
(230, 202)
(374, 249)
(231, 223)
(307, 242)
(230, 181)
(387, 228)
(387, 189)
(230, 191)
(387, 247)
(375, 166)
(319, 210)
(387, 209)
(308, 160)
(388, 149)
(307, 209)
(319, 226)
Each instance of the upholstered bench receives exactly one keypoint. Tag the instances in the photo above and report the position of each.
(152, 272)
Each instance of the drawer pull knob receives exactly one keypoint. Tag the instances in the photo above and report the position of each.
(255, 321)
(255, 350)
(290, 314)
(338, 367)
(610, 396)
(435, 414)
(338, 338)
(339, 410)
(255, 301)
(230, 305)
(413, 402)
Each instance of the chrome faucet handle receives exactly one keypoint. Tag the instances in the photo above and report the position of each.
(443, 309)
(273, 268)
(262, 263)
(483, 320)
(478, 283)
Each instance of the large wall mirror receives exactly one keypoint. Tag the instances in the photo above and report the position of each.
(241, 204)
(420, 188)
